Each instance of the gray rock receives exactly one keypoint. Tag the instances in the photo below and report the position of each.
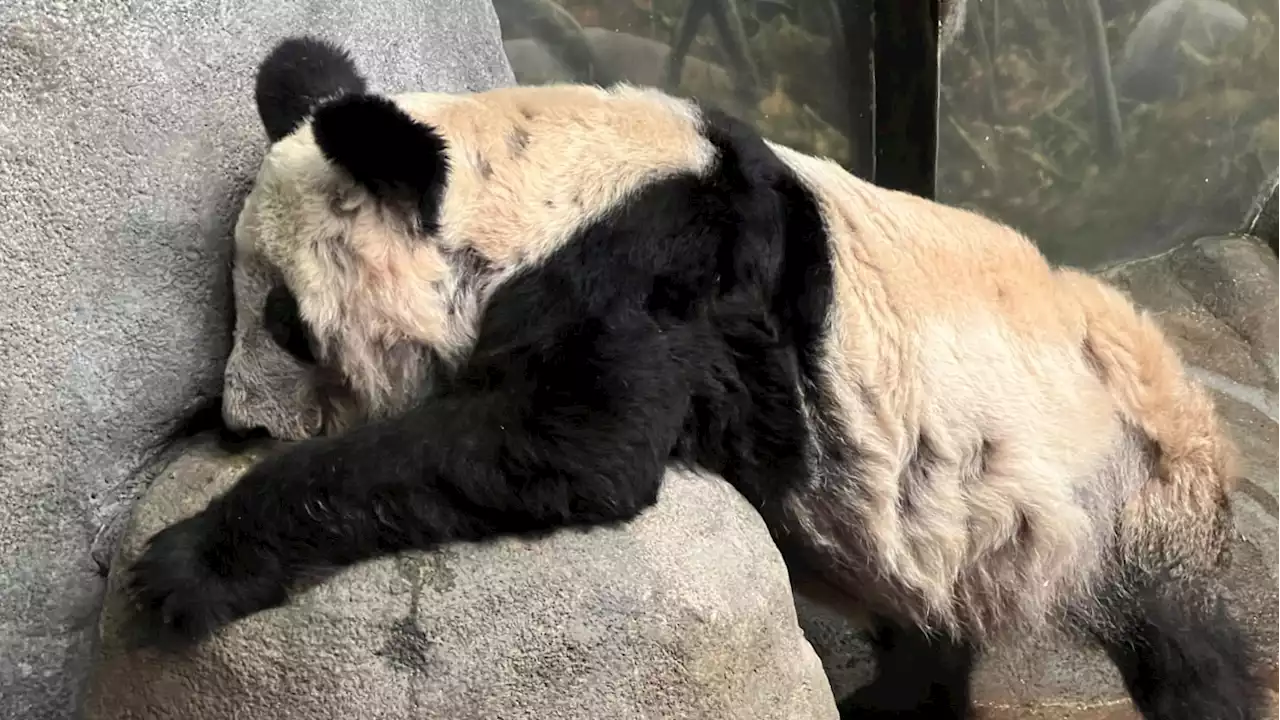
(1262, 218)
(1216, 297)
(1154, 55)
(127, 134)
(533, 63)
(684, 613)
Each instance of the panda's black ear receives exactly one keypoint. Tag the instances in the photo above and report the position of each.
(297, 76)
(400, 160)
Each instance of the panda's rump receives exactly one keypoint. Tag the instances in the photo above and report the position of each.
(990, 459)
(987, 496)
(1027, 466)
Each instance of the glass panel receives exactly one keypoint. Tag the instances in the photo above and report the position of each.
(1109, 129)
(779, 64)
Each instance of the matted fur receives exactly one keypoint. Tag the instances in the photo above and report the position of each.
(1042, 396)
(375, 297)
(1055, 414)
(942, 431)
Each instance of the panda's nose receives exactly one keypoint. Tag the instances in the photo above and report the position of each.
(235, 433)
(242, 433)
(242, 413)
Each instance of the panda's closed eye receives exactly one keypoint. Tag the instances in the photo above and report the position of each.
(283, 323)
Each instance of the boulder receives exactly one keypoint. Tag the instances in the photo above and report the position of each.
(684, 613)
(1262, 217)
(1216, 297)
(1157, 51)
(127, 135)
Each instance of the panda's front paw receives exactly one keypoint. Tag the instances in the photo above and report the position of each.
(191, 581)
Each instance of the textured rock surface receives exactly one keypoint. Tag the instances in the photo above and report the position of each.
(1216, 298)
(127, 133)
(686, 613)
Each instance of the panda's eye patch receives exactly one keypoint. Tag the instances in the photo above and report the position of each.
(283, 323)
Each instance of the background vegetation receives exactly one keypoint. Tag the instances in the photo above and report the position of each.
(1019, 136)
(1018, 139)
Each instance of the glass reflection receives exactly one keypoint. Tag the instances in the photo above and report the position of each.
(1104, 129)
(775, 63)
(1110, 129)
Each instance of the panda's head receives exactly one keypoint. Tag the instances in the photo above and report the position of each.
(377, 225)
(336, 207)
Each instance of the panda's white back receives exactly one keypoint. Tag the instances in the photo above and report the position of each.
(530, 166)
(965, 370)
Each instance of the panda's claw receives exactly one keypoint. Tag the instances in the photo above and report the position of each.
(185, 587)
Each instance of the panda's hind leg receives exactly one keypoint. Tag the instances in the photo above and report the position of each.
(1181, 653)
(918, 675)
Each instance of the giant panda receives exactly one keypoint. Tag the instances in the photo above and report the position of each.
(515, 308)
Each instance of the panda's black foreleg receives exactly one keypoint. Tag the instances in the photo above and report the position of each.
(571, 425)
(1181, 653)
(917, 676)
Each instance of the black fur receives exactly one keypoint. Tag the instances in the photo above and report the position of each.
(296, 77)
(400, 160)
(683, 327)
(281, 320)
(205, 417)
(917, 676)
(652, 335)
(1181, 653)
(185, 569)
